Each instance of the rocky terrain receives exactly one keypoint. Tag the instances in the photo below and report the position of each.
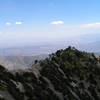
(65, 75)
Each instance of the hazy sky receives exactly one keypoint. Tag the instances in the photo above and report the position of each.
(24, 22)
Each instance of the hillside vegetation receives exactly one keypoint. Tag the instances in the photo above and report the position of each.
(65, 75)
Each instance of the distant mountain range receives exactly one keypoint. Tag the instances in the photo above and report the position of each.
(86, 42)
(19, 62)
(50, 48)
(23, 57)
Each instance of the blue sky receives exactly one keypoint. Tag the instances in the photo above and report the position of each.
(41, 21)
(43, 11)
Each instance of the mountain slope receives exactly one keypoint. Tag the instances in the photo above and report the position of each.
(66, 75)
(19, 62)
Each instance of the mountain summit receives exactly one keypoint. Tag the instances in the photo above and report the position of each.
(65, 75)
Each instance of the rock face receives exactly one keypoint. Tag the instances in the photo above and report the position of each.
(65, 75)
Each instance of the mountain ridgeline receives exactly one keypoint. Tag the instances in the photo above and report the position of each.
(65, 75)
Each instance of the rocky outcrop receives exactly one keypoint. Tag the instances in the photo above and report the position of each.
(65, 75)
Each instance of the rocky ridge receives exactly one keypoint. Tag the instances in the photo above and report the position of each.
(65, 75)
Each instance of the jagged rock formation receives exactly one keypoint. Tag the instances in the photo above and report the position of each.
(66, 75)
